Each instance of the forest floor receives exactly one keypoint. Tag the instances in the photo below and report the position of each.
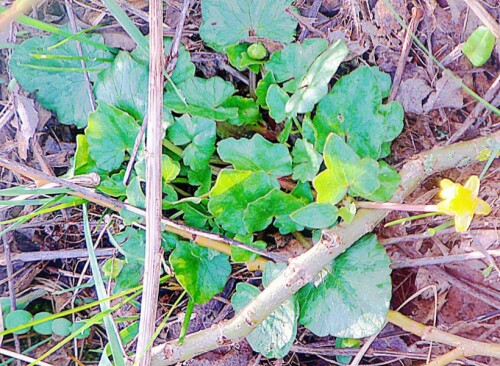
(463, 297)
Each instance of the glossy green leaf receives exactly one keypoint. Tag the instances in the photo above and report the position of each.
(303, 192)
(203, 98)
(479, 46)
(44, 328)
(112, 268)
(276, 101)
(306, 161)
(184, 68)
(197, 134)
(239, 255)
(248, 111)
(345, 172)
(314, 85)
(262, 88)
(55, 74)
(291, 64)
(82, 161)
(233, 191)
(133, 246)
(201, 178)
(316, 215)
(61, 327)
(260, 213)
(202, 274)
(228, 22)
(132, 243)
(353, 297)
(113, 186)
(117, 87)
(354, 109)
(110, 133)
(17, 318)
(130, 276)
(389, 183)
(256, 154)
(274, 337)
(170, 168)
(84, 333)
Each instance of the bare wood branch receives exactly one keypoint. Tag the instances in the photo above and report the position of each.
(304, 268)
(154, 252)
(200, 237)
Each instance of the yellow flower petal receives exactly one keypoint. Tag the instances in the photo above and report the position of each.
(473, 184)
(462, 202)
(483, 208)
(462, 223)
(447, 189)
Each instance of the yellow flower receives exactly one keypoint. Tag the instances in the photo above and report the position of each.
(462, 202)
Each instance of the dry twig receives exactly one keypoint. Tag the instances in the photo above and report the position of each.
(154, 251)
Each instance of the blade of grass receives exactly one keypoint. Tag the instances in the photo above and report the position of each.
(135, 290)
(27, 350)
(88, 323)
(37, 24)
(490, 161)
(61, 69)
(127, 24)
(22, 190)
(111, 330)
(40, 211)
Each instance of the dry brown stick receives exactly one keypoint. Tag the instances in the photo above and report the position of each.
(485, 17)
(303, 269)
(432, 261)
(51, 255)
(171, 59)
(478, 109)
(466, 346)
(200, 237)
(154, 251)
(424, 235)
(313, 13)
(329, 350)
(416, 15)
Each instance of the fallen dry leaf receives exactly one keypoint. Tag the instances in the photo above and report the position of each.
(448, 94)
(28, 122)
(411, 94)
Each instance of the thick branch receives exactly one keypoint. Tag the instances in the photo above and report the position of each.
(304, 268)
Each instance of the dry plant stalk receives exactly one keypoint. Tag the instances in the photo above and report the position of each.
(303, 269)
(154, 251)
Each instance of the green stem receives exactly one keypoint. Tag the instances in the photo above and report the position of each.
(187, 319)
(433, 231)
(171, 147)
(406, 219)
